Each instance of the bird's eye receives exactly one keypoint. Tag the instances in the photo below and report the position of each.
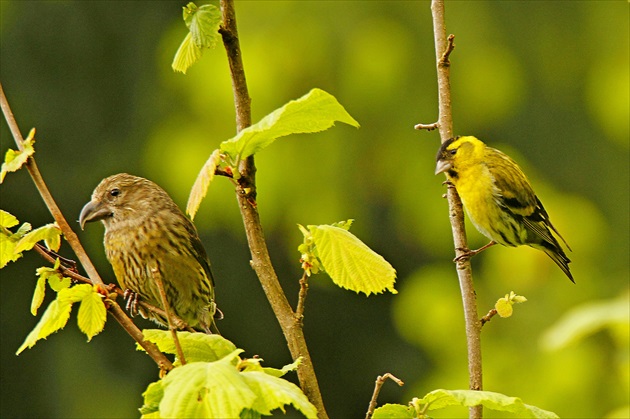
(453, 151)
(114, 192)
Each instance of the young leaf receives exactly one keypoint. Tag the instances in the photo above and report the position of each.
(7, 220)
(200, 188)
(50, 233)
(274, 393)
(351, 263)
(280, 372)
(197, 347)
(394, 411)
(92, 314)
(152, 397)
(38, 295)
(206, 390)
(54, 318)
(7, 247)
(504, 305)
(13, 160)
(8, 240)
(316, 111)
(439, 399)
(203, 26)
(187, 54)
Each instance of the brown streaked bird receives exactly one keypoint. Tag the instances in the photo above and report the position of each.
(145, 232)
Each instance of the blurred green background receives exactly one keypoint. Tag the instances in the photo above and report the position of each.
(546, 82)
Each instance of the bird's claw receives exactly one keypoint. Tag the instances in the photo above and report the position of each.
(132, 302)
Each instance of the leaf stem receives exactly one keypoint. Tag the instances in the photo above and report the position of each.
(443, 48)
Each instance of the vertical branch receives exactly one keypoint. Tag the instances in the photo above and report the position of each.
(246, 196)
(443, 48)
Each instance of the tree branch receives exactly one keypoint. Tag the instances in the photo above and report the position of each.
(443, 48)
(380, 380)
(114, 309)
(246, 196)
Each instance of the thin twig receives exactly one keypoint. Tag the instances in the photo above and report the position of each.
(428, 127)
(443, 48)
(157, 277)
(380, 380)
(299, 311)
(163, 362)
(246, 196)
(485, 319)
(444, 60)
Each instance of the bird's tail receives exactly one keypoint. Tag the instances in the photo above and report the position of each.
(560, 258)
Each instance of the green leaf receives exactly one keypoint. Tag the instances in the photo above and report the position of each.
(54, 318)
(316, 111)
(203, 32)
(206, 390)
(394, 411)
(200, 188)
(7, 220)
(274, 393)
(38, 295)
(13, 160)
(92, 313)
(439, 399)
(204, 26)
(7, 247)
(196, 346)
(287, 368)
(50, 233)
(187, 54)
(152, 397)
(585, 320)
(351, 263)
(8, 240)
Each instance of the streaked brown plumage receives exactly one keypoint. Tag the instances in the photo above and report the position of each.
(144, 231)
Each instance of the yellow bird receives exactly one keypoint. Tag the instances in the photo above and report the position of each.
(498, 198)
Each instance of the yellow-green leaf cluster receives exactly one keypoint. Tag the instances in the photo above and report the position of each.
(8, 239)
(203, 32)
(224, 386)
(349, 262)
(91, 315)
(12, 245)
(13, 160)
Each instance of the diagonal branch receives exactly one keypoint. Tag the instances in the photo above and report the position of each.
(246, 196)
(114, 309)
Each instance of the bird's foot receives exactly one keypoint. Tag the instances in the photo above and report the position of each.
(467, 253)
(132, 302)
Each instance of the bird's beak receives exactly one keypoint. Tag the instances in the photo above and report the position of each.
(93, 211)
(442, 166)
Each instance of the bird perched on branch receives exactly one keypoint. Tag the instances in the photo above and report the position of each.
(498, 198)
(147, 237)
